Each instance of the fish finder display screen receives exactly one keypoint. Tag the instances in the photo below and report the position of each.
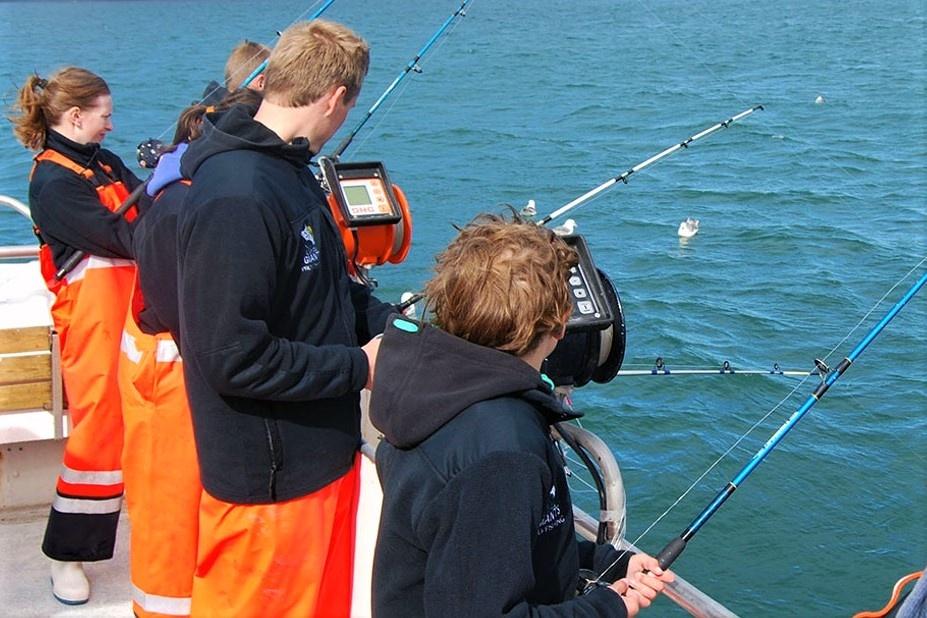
(366, 197)
(362, 191)
(357, 196)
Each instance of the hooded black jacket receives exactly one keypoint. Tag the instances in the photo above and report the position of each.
(477, 518)
(66, 209)
(270, 323)
(154, 243)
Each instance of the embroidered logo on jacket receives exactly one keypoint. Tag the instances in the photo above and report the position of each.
(553, 517)
(310, 250)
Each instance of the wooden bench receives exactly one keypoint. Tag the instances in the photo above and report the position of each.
(30, 373)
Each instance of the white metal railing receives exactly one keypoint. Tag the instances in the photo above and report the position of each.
(16, 205)
(11, 252)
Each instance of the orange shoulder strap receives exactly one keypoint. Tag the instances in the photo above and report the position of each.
(54, 156)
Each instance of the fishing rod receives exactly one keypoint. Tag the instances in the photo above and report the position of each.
(623, 177)
(78, 255)
(260, 68)
(660, 369)
(371, 213)
(630, 373)
(674, 548)
(411, 66)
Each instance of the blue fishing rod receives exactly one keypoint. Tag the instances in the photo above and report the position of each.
(674, 548)
(411, 66)
(260, 68)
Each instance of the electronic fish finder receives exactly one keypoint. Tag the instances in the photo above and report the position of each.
(362, 192)
(372, 214)
(594, 345)
(591, 310)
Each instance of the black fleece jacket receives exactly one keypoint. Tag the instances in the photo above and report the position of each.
(270, 323)
(155, 245)
(65, 206)
(477, 518)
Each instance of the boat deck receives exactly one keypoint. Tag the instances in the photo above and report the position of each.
(25, 587)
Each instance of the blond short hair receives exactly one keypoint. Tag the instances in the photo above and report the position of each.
(313, 57)
(502, 284)
(244, 59)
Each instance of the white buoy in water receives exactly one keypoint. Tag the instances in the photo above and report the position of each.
(820, 100)
(688, 228)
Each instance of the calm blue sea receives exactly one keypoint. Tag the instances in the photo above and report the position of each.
(809, 213)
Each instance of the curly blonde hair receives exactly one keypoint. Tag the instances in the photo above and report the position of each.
(502, 284)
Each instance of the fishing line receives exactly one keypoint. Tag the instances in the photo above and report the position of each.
(411, 66)
(263, 65)
(763, 419)
(422, 64)
(659, 368)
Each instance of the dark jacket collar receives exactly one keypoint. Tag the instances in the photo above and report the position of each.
(425, 377)
(84, 154)
(236, 129)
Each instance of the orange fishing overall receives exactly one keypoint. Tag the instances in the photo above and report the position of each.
(88, 313)
(292, 558)
(161, 472)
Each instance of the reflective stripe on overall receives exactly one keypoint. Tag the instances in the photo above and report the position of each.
(161, 471)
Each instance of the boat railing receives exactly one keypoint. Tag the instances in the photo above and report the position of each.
(681, 592)
(11, 252)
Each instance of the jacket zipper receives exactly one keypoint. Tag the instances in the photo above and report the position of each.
(274, 466)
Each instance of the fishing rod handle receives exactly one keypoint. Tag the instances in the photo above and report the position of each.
(78, 255)
(668, 554)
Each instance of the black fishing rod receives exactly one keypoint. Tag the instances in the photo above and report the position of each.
(78, 255)
(411, 66)
(623, 177)
(674, 548)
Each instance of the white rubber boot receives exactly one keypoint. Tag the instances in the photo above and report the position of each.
(69, 583)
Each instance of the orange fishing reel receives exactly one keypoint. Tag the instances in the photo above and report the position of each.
(371, 213)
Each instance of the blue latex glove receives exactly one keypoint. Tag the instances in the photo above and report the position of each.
(168, 170)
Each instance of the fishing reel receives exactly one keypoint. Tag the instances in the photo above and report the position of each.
(149, 152)
(371, 213)
(594, 345)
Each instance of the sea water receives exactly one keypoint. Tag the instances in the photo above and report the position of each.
(810, 212)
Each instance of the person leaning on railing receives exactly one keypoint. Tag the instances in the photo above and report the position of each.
(477, 518)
